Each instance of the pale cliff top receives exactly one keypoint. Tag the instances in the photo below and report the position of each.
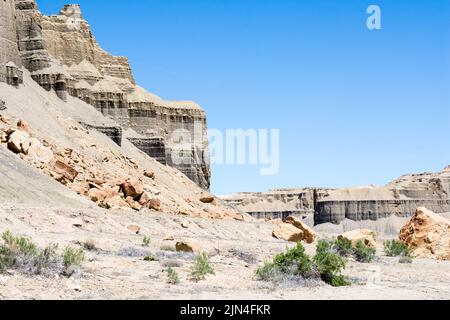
(142, 95)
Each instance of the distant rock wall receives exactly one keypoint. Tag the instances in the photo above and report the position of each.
(400, 198)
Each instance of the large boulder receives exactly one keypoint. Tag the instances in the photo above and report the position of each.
(65, 170)
(38, 152)
(19, 142)
(187, 246)
(427, 234)
(288, 232)
(132, 189)
(309, 234)
(369, 237)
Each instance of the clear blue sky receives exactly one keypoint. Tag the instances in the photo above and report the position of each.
(353, 106)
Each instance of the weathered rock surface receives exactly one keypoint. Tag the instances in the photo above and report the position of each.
(62, 55)
(19, 142)
(369, 237)
(187, 246)
(400, 198)
(427, 234)
(288, 232)
(309, 235)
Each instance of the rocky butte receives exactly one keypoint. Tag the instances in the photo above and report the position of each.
(62, 55)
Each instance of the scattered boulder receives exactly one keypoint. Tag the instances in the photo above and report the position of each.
(309, 234)
(65, 170)
(369, 237)
(288, 232)
(132, 188)
(154, 204)
(187, 247)
(116, 202)
(22, 125)
(3, 137)
(149, 174)
(38, 152)
(134, 228)
(427, 234)
(97, 195)
(19, 142)
(133, 204)
(144, 199)
(207, 199)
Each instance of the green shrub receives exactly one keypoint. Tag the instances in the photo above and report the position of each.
(329, 264)
(172, 276)
(202, 267)
(267, 272)
(146, 241)
(363, 253)
(294, 261)
(395, 248)
(20, 253)
(343, 246)
(73, 257)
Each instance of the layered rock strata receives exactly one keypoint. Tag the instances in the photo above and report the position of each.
(400, 198)
(63, 56)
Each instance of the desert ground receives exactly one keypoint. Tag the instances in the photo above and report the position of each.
(236, 250)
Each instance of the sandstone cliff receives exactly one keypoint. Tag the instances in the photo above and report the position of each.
(400, 198)
(63, 56)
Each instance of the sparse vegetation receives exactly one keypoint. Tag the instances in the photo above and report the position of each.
(396, 248)
(329, 264)
(146, 241)
(405, 259)
(363, 253)
(89, 245)
(343, 246)
(133, 252)
(73, 257)
(21, 254)
(202, 267)
(172, 276)
(326, 265)
(167, 247)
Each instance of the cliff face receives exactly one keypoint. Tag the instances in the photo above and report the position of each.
(62, 55)
(400, 198)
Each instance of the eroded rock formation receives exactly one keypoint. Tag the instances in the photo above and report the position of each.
(400, 197)
(63, 55)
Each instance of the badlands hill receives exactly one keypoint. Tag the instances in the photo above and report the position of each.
(87, 162)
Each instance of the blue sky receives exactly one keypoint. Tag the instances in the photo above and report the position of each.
(354, 107)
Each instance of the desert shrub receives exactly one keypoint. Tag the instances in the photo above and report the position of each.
(20, 253)
(73, 257)
(172, 276)
(343, 246)
(363, 253)
(133, 252)
(89, 245)
(146, 241)
(395, 248)
(151, 258)
(168, 247)
(202, 267)
(296, 266)
(329, 264)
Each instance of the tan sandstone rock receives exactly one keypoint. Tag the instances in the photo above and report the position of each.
(309, 234)
(427, 234)
(19, 142)
(134, 228)
(116, 202)
(186, 246)
(38, 152)
(65, 170)
(369, 237)
(132, 188)
(288, 232)
(22, 125)
(207, 199)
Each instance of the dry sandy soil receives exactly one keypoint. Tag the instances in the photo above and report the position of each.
(107, 275)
